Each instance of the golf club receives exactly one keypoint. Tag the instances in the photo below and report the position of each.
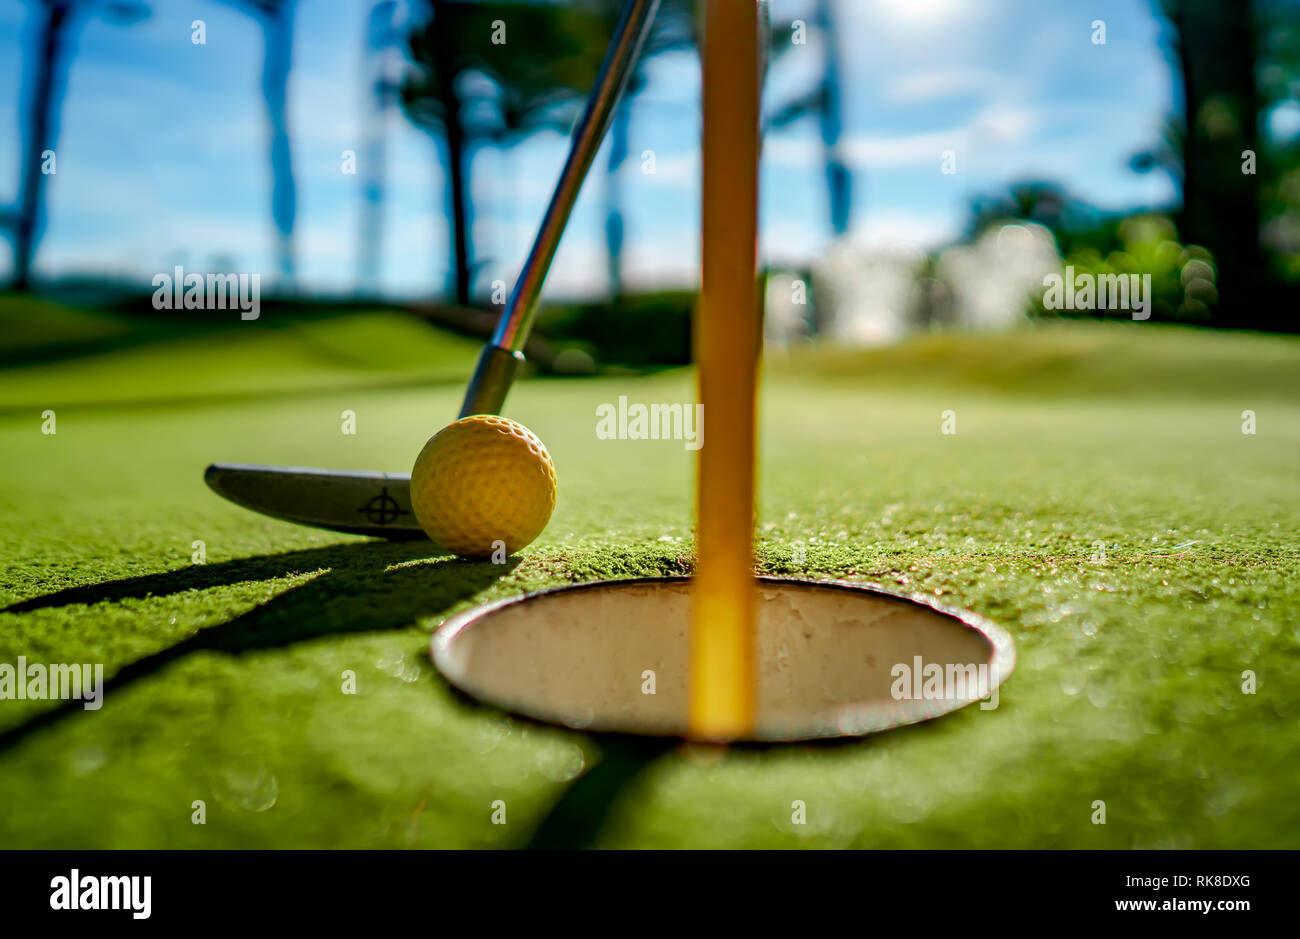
(378, 504)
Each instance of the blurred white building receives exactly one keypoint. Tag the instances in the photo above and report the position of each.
(875, 296)
(867, 297)
(992, 281)
(787, 309)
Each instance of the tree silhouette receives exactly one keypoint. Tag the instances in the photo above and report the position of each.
(384, 31)
(823, 102)
(49, 71)
(494, 71)
(673, 29)
(276, 20)
(1217, 51)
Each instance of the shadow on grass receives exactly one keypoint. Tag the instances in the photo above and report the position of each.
(579, 816)
(360, 587)
(582, 813)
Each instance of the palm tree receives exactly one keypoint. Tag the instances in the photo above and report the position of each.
(276, 19)
(674, 29)
(383, 32)
(49, 75)
(468, 89)
(823, 101)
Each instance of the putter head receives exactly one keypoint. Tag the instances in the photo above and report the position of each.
(357, 502)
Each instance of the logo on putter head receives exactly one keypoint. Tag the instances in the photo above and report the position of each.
(383, 509)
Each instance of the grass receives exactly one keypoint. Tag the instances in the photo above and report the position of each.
(1099, 499)
(140, 362)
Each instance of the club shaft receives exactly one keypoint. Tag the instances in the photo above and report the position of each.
(501, 359)
(633, 26)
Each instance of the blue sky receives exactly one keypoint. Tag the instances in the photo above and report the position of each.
(161, 147)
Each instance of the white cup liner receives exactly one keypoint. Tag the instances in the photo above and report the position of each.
(834, 658)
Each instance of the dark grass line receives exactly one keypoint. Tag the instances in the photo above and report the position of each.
(405, 382)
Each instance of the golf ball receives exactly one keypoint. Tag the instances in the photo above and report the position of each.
(481, 484)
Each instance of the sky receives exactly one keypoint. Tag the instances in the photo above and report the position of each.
(161, 146)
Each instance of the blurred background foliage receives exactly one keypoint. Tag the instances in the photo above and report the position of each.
(1225, 253)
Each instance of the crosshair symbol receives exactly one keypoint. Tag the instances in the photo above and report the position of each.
(383, 509)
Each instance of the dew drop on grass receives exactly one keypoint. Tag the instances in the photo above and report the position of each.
(907, 808)
(1219, 802)
(85, 760)
(249, 786)
(1098, 695)
(581, 717)
(561, 762)
(489, 735)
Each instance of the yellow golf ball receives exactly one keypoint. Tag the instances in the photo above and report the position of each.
(482, 483)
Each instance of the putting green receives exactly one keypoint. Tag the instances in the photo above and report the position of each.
(1098, 499)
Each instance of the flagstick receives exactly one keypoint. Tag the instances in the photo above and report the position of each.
(728, 336)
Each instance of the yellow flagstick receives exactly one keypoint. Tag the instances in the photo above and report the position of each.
(728, 336)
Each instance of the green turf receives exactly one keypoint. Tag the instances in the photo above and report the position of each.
(148, 363)
(1128, 687)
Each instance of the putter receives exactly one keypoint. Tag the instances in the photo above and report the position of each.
(379, 504)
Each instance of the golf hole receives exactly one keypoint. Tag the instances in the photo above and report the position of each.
(834, 659)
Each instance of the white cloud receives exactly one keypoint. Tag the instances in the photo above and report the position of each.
(676, 170)
(904, 231)
(996, 127)
(791, 151)
(876, 151)
(670, 260)
(899, 18)
(923, 12)
(930, 84)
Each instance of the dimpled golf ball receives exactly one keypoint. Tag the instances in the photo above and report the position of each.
(483, 482)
